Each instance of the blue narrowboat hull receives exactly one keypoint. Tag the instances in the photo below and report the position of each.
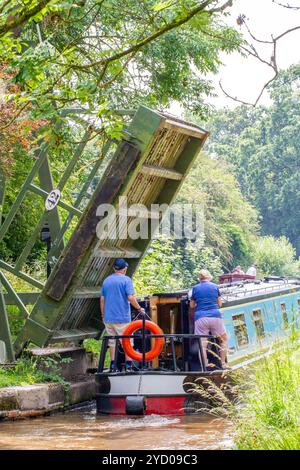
(253, 323)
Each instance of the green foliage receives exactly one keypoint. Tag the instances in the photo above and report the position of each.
(171, 265)
(269, 417)
(93, 346)
(263, 146)
(158, 271)
(230, 225)
(195, 256)
(275, 256)
(96, 52)
(28, 371)
(15, 320)
(230, 222)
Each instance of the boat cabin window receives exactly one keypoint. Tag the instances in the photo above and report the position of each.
(258, 323)
(240, 330)
(284, 315)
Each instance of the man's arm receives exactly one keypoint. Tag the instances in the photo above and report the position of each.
(102, 307)
(134, 303)
(219, 301)
(130, 296)
(192, 299)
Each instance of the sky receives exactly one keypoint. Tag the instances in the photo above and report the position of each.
(244, 78)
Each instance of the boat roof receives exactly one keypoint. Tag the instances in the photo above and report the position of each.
(242, 291)
(258, 289)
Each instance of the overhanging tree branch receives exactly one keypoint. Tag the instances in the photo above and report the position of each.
(65, 64)
(221, 7)
(170, 26)
(251, 50)
(286, 5)
(23, 16)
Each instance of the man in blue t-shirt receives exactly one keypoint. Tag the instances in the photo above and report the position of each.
(117, 294)
(206, 300)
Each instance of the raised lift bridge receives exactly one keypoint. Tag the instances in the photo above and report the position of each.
(148, 167)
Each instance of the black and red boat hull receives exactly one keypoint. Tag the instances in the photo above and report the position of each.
(158, 393)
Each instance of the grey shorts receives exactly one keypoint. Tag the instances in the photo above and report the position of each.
(210, 325)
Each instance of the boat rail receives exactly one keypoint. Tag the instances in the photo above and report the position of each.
(244, 291)
(169, 340)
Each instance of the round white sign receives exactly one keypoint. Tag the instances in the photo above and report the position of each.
(52, 199)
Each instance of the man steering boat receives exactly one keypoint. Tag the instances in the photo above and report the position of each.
(117, 294)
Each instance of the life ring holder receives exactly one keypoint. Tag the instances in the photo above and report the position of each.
(158, 342)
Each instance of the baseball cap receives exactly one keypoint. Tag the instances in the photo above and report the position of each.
(120, 263)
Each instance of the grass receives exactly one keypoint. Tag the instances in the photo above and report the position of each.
(264, 406)
(16, 321)
(268, 417)
(36, 269)
(29, 371)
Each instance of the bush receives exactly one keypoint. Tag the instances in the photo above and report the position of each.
(275, 256)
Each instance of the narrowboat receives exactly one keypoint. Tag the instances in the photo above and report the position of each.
(168, 361)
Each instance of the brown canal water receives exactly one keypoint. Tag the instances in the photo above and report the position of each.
(83, 429)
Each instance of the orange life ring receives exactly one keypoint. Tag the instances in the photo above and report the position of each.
(158, 342)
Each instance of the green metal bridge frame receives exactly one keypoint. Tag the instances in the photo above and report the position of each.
(148, 166)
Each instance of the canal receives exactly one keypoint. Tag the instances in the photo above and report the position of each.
(83, 429)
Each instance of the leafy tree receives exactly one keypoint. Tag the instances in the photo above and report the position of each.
(169, 266)
(282, 170)
(230, 222)
(15, 134)
(107, 54)
(195, 256)
(263, 146)
(275, 256)
(158, 271)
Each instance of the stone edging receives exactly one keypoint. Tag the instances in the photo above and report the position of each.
(39, 399)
